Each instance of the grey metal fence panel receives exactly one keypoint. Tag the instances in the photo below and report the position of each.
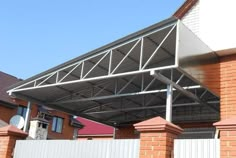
(77, 149)
(196, 148)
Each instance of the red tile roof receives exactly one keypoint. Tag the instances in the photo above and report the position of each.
(94, 128)
(6, 81)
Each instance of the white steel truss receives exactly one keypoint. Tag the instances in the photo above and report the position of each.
(125, 82)
(111, 70)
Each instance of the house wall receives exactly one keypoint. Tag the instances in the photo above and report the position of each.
(34, 109)
(196, 125)
(126, 133)
(221, 79)
(216, 27)
(6, 113)
(67, 132)
(211, 73)
(213, 22)
(228, 86)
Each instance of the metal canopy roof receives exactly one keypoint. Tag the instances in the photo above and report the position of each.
(126, 81)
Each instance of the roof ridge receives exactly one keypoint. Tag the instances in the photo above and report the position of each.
(1, 72)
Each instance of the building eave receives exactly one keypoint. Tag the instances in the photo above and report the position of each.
(188, 4)
(8, 105)
(226, 52)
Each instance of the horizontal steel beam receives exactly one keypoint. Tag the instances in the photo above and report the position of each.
(147, 108)
(165, 80)
(119, 95)
(104, 77)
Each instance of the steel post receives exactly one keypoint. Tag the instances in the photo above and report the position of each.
(27, 117)
(169, 96)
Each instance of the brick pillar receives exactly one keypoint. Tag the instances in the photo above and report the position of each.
(157, 138)
(227, 87)
(8, 136)
(227, 130)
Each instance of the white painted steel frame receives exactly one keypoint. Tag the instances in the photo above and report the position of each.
(27, 117)
(169, 96)
(118, 94)
(111, 73)
(65, 76)
(148, 107)
(164, 79)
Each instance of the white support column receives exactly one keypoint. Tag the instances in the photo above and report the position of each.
(27, 117)
(169, 96)
(114, 133)
(75, 133)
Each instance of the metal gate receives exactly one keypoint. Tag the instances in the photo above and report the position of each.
(196, 148)
(79, 149)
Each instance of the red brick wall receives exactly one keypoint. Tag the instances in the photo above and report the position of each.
(8, 136)
(157, 138)
(228, 86)
(7, 144)
(227, 144)
(227, 128)
(156, 144)
(5, 150)
(34, 108)
(126, 133)
(6, 113)
(211, 77)
(67, 130)
(196, 125)
(221, 79)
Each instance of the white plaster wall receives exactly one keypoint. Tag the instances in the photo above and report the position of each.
(214, 21)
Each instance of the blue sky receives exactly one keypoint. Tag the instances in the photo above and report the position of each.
(38, 35)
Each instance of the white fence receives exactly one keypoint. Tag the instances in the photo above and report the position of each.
(183, 148)
(196, 148)
(77, 149)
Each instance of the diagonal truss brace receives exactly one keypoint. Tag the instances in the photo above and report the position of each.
(147, 107)
(79, 66)
(165, 80)
(119, 95)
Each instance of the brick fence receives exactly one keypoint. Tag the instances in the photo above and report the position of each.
(227, 137)
(8, 136)
(157, 137)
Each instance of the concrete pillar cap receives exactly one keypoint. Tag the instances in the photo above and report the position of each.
(158, 124)
(12, 131)
(227, 124)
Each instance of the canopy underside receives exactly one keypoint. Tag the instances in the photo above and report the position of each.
(126, 81)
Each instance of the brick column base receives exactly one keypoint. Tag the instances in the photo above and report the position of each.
(157, 137)
(227, 137)
(8, 136)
